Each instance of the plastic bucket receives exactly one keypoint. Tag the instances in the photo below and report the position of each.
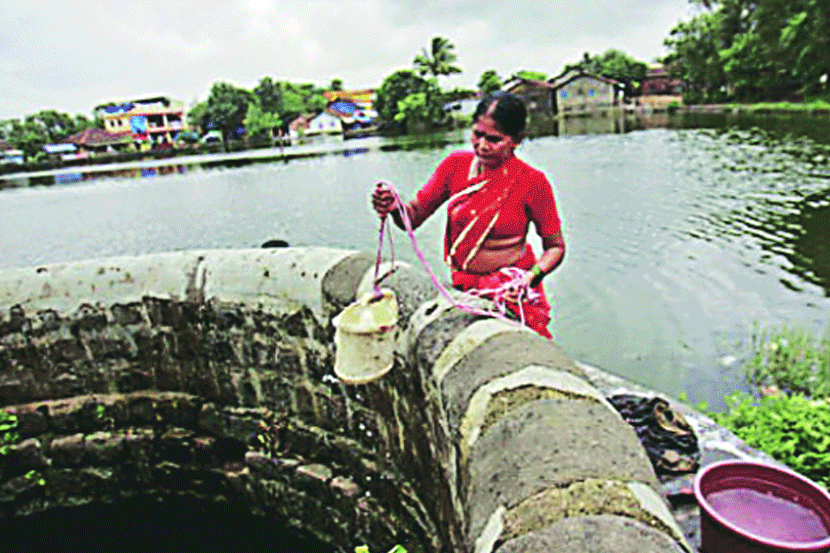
(753, 507)
(364, 338)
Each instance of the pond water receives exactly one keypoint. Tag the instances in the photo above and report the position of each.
(684, 233)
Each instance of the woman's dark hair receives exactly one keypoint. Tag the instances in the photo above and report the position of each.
(507, 110)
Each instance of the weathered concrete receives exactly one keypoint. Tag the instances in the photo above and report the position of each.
(550, 444)
(209, 374)
(593, 533)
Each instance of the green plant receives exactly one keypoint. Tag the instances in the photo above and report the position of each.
(791, 360)
(101, 416)
(8, 431)
(36, 477)
(792, 429)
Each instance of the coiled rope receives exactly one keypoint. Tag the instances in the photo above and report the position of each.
(496, 294)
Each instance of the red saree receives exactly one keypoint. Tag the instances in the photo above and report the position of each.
(472, 214)
(535, 312)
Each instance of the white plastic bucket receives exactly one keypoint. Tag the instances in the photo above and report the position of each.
(364, 338)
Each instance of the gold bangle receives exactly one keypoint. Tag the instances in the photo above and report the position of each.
(536, 271)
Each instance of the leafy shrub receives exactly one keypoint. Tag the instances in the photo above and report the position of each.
(792, 429)
(791, 360)
(8, 431)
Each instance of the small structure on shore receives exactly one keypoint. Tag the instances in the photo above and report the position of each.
(658, 81)
(578, 92)
(92, 141)
(156, 120)
(571, 93)
(325, 124)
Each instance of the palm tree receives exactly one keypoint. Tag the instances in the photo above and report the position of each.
(439, 60)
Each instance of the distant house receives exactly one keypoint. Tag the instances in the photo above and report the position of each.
(92, 141)
(363, 99)
(325, 123)
(578, 92)
(537, 95)
(657, 82)
(155, 120)
(353, 108)
(299, 127)
(63, 151)
(10, 155)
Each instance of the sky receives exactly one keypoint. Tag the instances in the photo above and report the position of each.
(71, 56)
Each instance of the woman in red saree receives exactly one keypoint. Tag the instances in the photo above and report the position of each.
(492, 197)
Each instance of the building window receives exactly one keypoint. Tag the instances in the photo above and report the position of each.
(591, 93)
(563, 94)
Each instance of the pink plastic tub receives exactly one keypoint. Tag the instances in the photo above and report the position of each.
(752, 507)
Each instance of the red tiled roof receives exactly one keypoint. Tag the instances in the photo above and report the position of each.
(97, 137)
(300, 122)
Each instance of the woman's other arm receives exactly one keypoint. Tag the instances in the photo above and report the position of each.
(551, 258)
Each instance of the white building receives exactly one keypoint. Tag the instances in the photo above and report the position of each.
(325, 123)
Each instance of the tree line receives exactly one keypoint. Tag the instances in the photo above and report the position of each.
(407, 100)
(744, 50)
(34, 131)
(752, 50)
(741, 49)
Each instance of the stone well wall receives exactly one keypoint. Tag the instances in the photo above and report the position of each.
(209, 374)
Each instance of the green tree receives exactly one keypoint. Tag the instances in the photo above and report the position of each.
(196, 115)
(44, 127)
(489, 82)
(414, 111)
(260, 124)
(758, 49)
(336, 84)
(613, 64)
(269, 94)
(747, 67)
(293, 104)
(315, 101)
(807, 42)
(29, 136)
(438, 60)
(531, 75)
(396, 88)
(225, 109)
(694, 56)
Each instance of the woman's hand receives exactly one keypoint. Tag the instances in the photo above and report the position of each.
(517, 291)
(383, 200)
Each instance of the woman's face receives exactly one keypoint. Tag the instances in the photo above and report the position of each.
(491, 145)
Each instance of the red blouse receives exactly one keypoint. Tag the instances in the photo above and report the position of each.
(534, 202)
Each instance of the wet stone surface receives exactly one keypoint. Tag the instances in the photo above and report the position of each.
(715, 443)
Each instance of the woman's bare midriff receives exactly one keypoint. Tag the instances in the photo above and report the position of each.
(496, 253)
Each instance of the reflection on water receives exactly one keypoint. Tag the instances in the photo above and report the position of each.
(608, 122)
(682, 232)
(779, 199)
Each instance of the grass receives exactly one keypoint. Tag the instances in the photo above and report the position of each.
(791, 360)
(760, 107)
(788, 415)
(792, 429)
